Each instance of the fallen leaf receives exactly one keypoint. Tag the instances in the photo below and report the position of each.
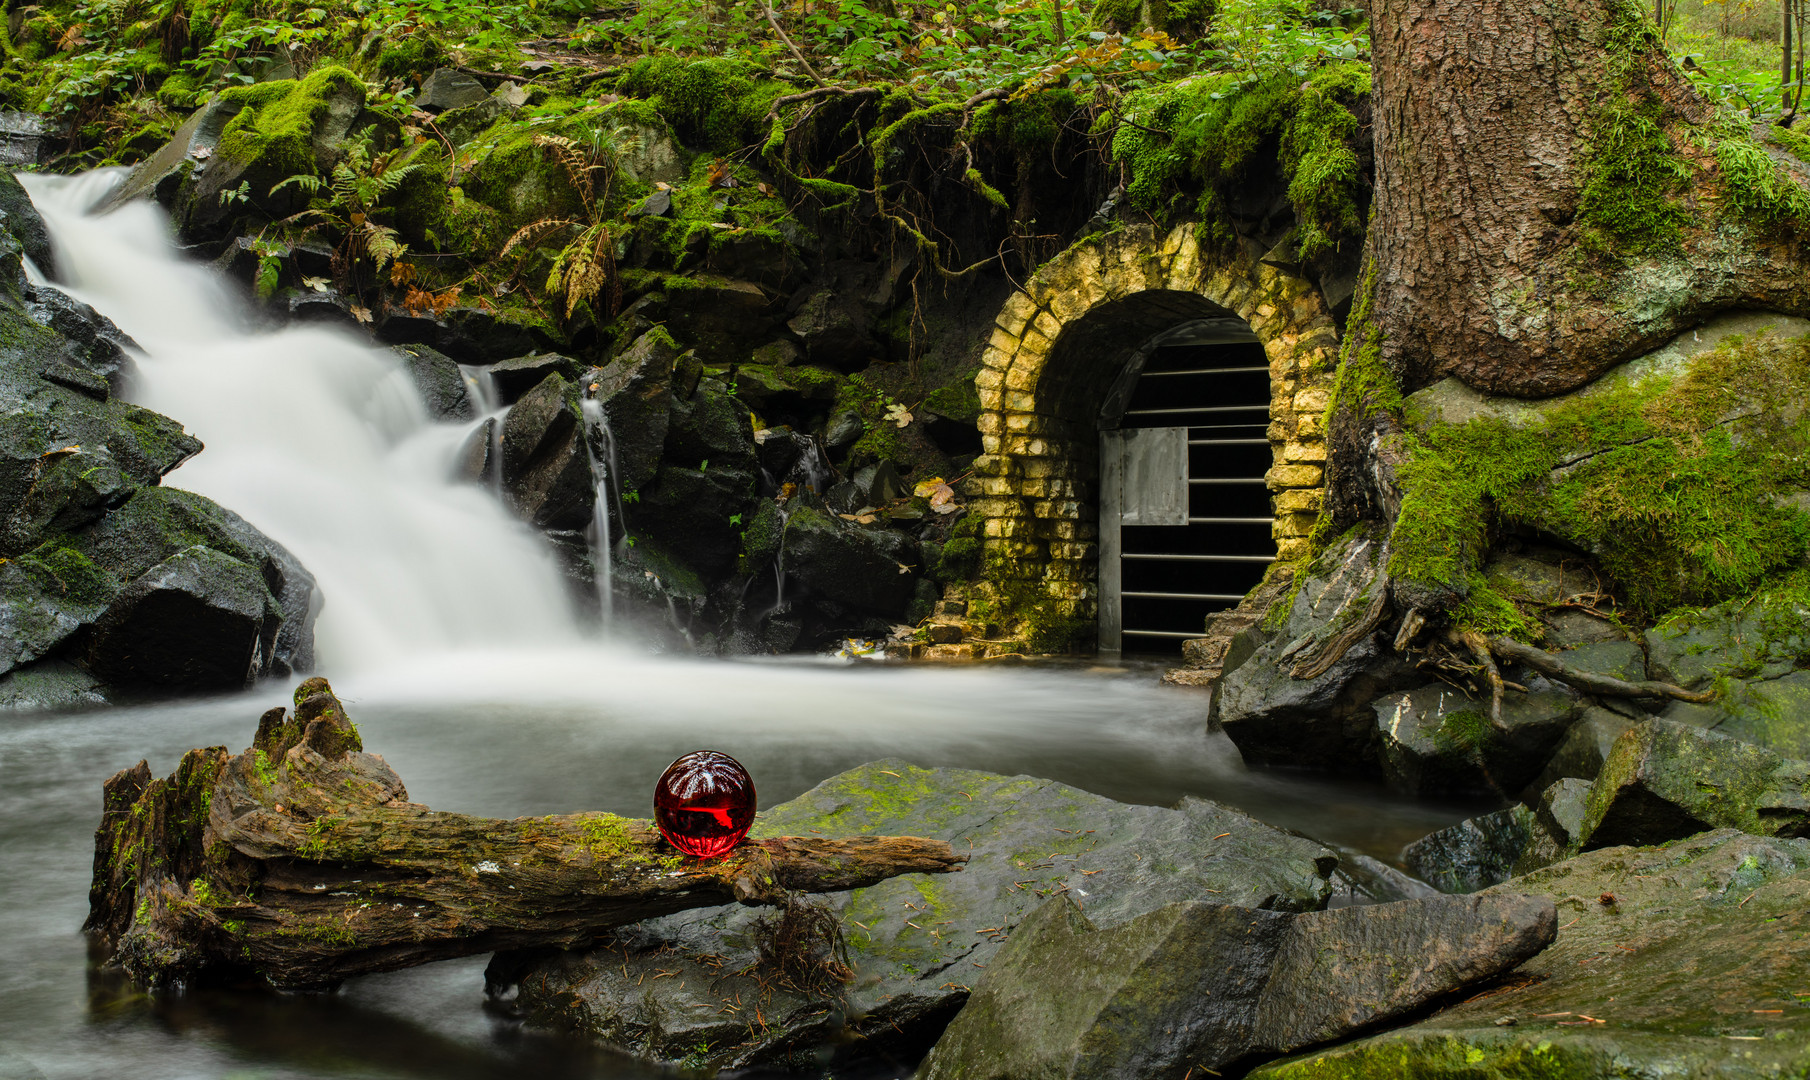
(898, 414)
(943, 502)
(362, 314)
(318, 284)
(926, 488)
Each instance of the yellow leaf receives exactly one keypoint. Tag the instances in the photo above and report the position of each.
(927, 488)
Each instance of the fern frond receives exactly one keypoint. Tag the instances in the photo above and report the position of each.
(312, 185)
(529, 234)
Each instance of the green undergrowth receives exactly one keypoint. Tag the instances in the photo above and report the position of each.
(1195, 140)
(1676, 484)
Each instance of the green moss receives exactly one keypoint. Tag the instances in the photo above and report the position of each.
(66, 572)
(957, 401)
(1671, 482)
(275, 127)
(1194, 141)
(1462, 732)
(718, 104)
(960, 560)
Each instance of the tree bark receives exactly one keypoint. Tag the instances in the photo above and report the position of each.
(1491, 116)
(302, 862)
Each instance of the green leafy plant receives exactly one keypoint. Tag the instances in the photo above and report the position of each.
(347, 203)
(585, 267)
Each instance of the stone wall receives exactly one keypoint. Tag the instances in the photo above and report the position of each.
(1056, 348)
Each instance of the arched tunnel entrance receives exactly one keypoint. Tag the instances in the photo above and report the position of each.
(1185, 517)
(1151, 427)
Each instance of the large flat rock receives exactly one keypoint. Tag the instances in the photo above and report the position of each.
(1195, 986)
(917, 943)
(1697, 967)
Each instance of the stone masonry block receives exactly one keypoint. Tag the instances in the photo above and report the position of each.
(1298, 500)
(1304, 451)
(1294, 476)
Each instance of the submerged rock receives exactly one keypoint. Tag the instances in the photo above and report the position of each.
(1685, 960)
(1200, 986)
(916, 943)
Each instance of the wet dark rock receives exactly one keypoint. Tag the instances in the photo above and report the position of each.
(635, 393)
(92, 342)
(1679, 955)
(1664, 781)
(864, 567)
(879, 484)
(718, 316)
(1562, 809)
(1439, 740)
(546, 469)
(1584, 748)
(520, 374)
(1551, 581)
(1324, 721)
(324, 305)
(795, 392)
(468, 335)
(1365, 880)
(22, 220)
(1204, 986)
(659, 204)
(199, 620)
(448, 88)
(1475, 853)
(441, 384)
(913, 940)
(477, 460)
(788, 457)
(843, 429)
(24, 140)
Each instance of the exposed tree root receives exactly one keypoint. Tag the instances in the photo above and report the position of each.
(1588, 681)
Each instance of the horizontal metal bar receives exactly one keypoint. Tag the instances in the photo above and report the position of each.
(1199, 558)
(1165, 633)
(1208, 370)
(1182, 595)
(1231, 521)
(1228, 442)
(1228, 480)
(1199, 409)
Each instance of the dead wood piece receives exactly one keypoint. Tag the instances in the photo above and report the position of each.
(301, 862)
(1588, 681)
(822, 91)
(773, 21)
(1479, 647)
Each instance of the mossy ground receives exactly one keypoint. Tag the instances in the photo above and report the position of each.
(1675, 483)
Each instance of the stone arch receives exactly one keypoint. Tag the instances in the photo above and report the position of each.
(1057, 346)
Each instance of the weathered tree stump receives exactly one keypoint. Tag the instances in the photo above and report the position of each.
(301, 862)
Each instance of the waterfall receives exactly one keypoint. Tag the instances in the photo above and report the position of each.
(601, 447)
(488, 410)
(319, 439)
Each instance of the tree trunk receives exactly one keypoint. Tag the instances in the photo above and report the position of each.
(301, 861)
(1550, 197)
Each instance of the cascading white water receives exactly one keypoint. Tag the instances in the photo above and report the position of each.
(603, 467)
(318, 439)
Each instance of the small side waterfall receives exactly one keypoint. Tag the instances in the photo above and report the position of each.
(488, 411)
(319, 439)
(601, 447)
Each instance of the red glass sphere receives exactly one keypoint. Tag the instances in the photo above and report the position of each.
(704, 803)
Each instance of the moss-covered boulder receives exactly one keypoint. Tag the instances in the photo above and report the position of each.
(1204, 986)
(681, 986)
(868, 568)
(704, 489)
(1686, 960)
(1665, 780)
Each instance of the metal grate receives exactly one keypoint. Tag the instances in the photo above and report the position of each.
(1166, 579)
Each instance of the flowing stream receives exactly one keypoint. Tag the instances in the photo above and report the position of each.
(449, 635)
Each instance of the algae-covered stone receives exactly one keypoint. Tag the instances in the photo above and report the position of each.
(1686, 960)
(1201, 986)
(1664, 781)
(1586, 745)
(917, 943)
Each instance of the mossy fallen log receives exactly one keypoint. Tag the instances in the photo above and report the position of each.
(301, 862)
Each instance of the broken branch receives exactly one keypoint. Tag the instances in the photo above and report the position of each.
(302, 862)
